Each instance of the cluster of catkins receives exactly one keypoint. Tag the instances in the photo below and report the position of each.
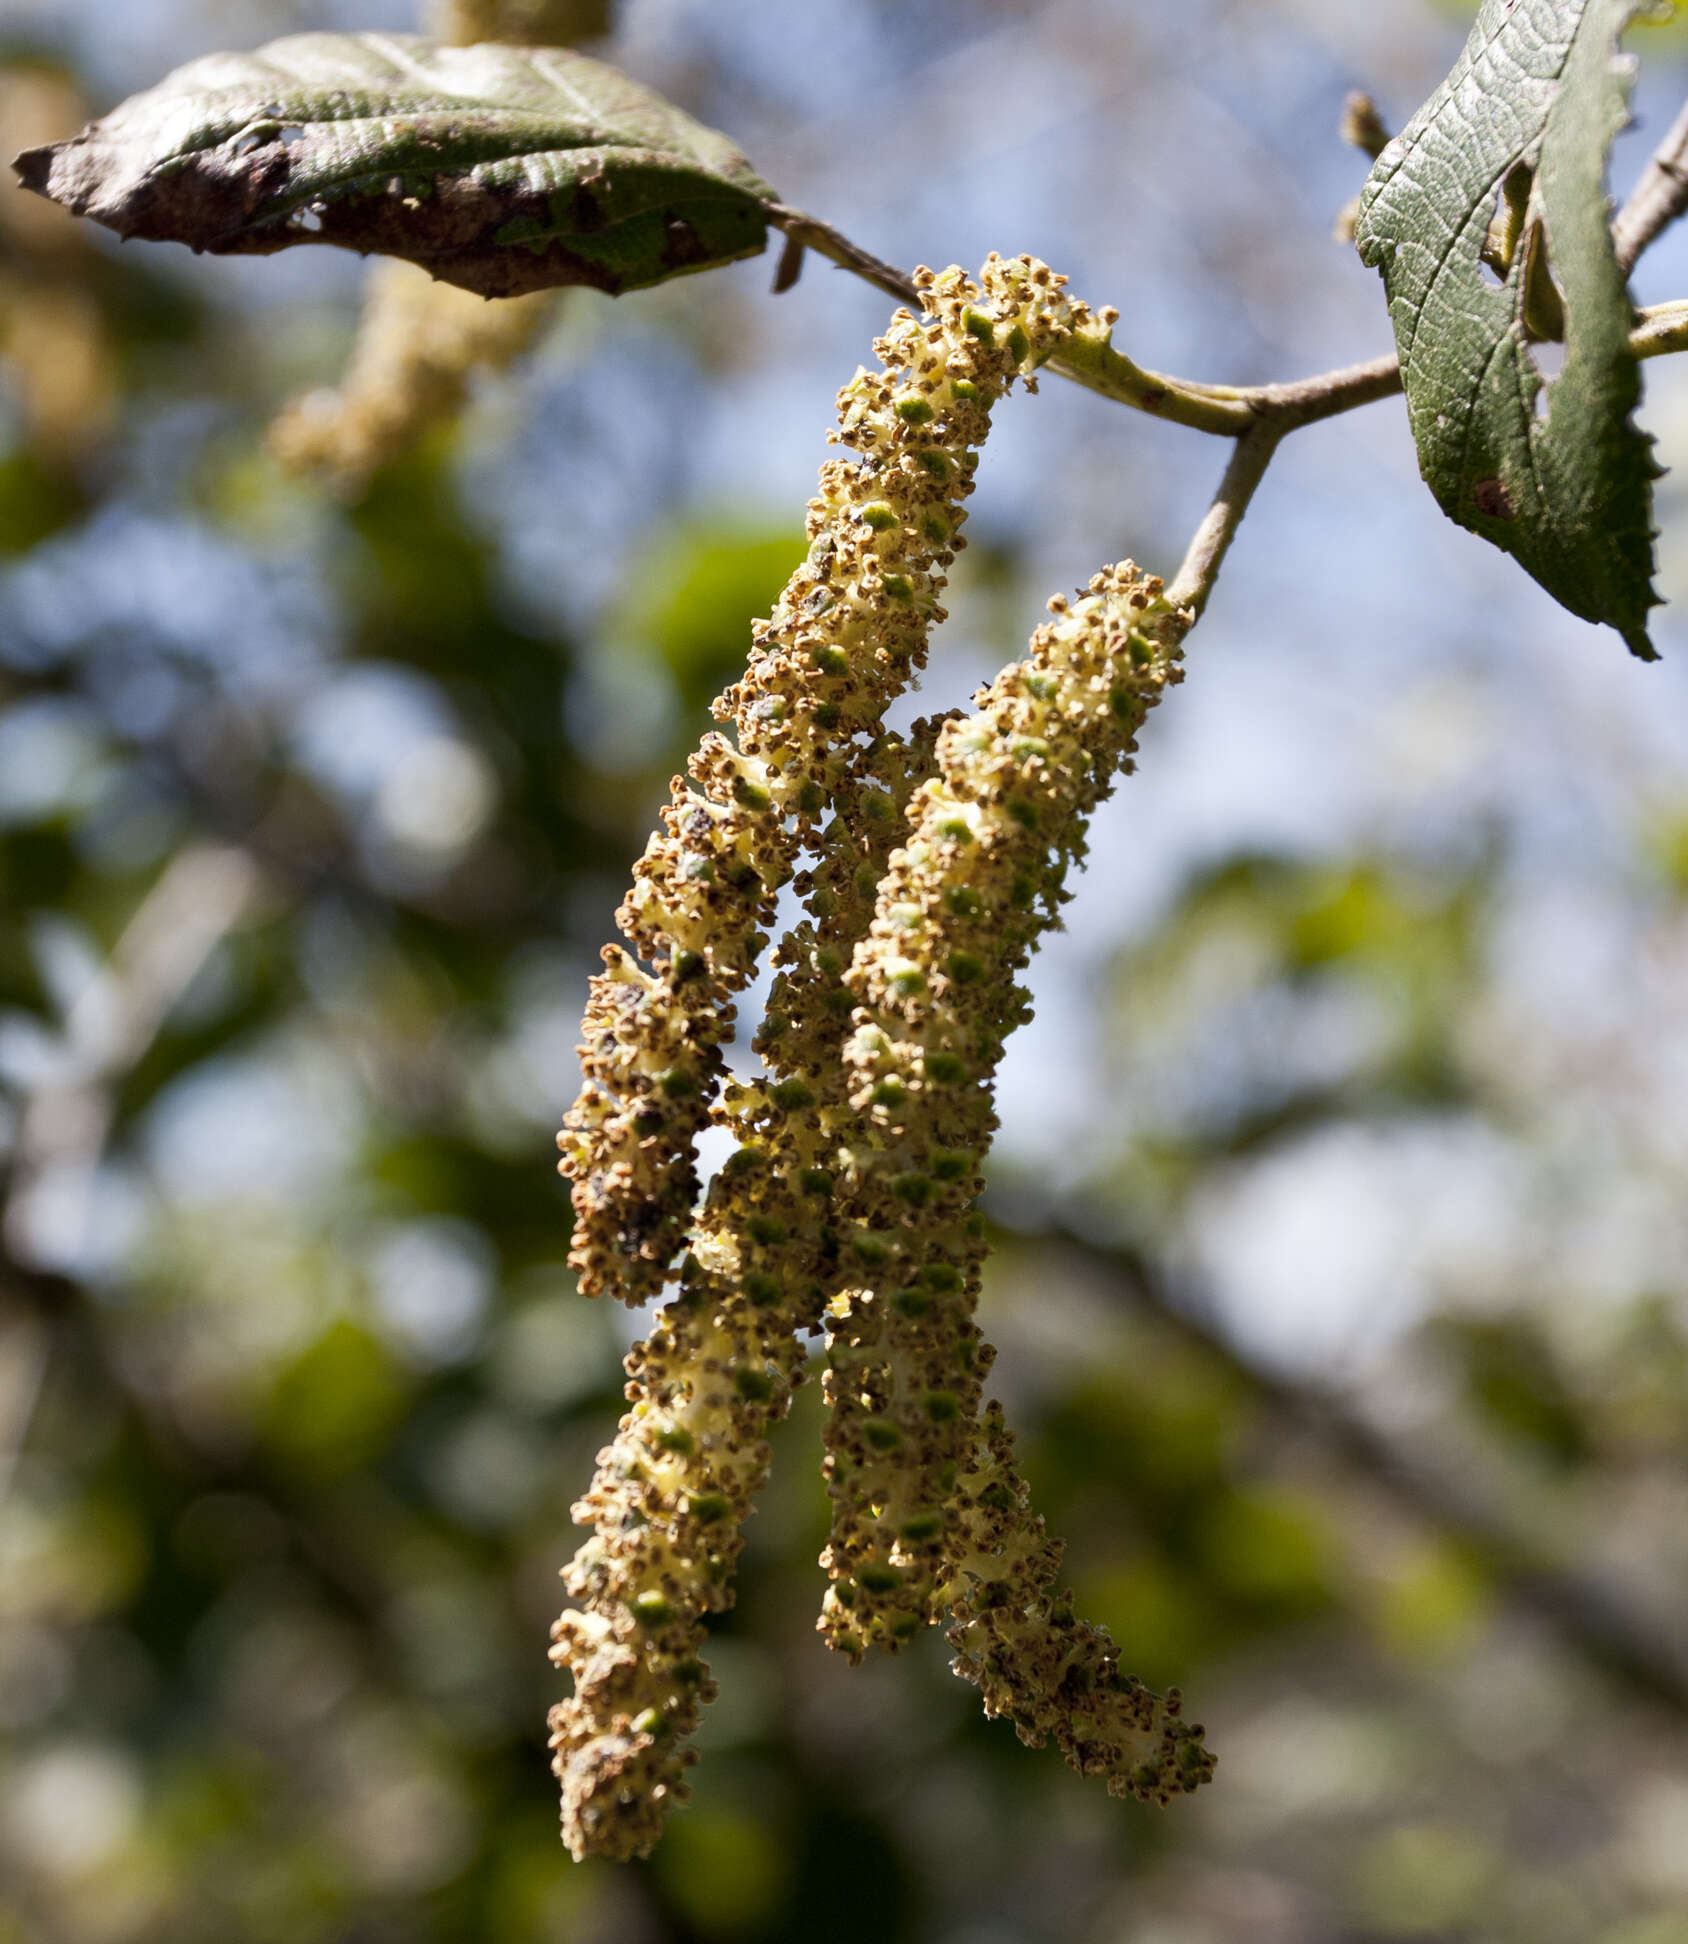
(927, 866)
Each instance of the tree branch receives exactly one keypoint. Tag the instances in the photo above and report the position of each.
(1662, 328)
(199, 897)
(1194, 580)
(1584, 1612)
(1092, 360)
(1657, 199)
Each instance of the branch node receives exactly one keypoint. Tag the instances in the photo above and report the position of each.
(1362, 126)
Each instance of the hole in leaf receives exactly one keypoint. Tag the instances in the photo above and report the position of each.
(1548, 357)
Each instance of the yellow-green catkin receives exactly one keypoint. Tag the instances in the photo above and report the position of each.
(800, 1115)
(525, 23)
(847, 635)
(690, 1455)
(420, 345)
(980, 877)
(666, 1505)
(1054, 1676)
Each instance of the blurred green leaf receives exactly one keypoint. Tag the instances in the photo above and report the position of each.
(1516, 1385)
(726, 1869)
(1163, 1623)
(1666, 843)
(1422, 1880)
(1432, 1604)
(35, 502)
(694, 594)
(1268, 1546)
(334, 1409)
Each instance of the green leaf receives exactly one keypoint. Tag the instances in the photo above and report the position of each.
(1504, 169)
(502, 169)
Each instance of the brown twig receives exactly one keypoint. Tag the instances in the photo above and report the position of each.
(1233, 410)
(199, 897)
(1657, 199)
(1252, 454)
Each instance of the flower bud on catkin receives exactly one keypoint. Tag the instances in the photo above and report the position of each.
(846, 636)
(666, 1505)
(980, 876)
(804, 1112)
(1051, 1674)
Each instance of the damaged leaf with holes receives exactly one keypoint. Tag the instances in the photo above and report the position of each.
(500, 169)
(1488, 217)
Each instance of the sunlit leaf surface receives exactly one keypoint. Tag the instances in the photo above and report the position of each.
(1486, 217)
(503, 169)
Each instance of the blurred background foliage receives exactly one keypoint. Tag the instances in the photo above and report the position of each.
(1340, 1196)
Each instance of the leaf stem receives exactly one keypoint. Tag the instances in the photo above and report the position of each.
(836, 247)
